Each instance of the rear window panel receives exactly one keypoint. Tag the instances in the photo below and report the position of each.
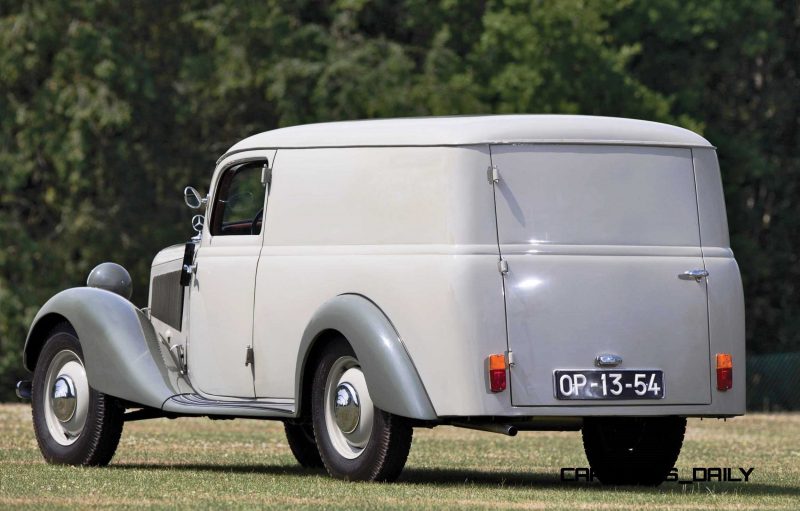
(596, 195)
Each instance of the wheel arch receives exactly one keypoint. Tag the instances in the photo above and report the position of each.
(120, 348)
(393, 381)
(305, 375)
(38, 335)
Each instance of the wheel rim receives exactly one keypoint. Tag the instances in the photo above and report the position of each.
(66, 397)
(349, 410)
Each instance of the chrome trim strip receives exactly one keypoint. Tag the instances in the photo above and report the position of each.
(195, 403)
(470, 249)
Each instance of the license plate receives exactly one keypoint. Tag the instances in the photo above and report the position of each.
(636, 384)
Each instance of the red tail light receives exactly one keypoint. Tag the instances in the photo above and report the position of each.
(497, 373)
(724, 371)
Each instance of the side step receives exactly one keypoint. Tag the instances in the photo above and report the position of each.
(195, 404)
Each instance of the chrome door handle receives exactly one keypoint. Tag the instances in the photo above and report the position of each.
(694, 274)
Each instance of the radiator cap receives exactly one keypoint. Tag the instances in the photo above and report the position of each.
(111, 277)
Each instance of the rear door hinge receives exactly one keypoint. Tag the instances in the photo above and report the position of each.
(492, 174)
(502, 266)
(266, 175)
(249, 358)
(510, 358)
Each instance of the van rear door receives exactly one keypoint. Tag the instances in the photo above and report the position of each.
(598, 240)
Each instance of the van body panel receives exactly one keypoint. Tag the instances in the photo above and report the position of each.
(566, 310)
(597, 239)
(344, 197)
(710, 200)
(727, 328)
(725, 293)
(596, 195)
(412, 229)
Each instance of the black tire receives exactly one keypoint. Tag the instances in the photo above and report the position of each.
(98, 439)
(633, 450)
(300, 436)
(386, 450)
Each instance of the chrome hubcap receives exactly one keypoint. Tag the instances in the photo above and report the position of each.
(348, 408)
(64, 398)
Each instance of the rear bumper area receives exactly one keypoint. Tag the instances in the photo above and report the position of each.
(716, 409)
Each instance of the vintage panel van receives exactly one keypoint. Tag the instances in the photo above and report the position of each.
(358, 279)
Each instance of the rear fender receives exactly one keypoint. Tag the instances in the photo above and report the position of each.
(393, 382)
(121, 350)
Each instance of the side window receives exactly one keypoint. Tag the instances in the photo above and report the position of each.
(239, 201)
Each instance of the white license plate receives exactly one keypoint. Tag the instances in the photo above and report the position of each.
(627, 384)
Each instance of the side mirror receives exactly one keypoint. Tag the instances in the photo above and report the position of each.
(193, 199)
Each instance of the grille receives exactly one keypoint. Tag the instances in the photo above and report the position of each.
(167, 299)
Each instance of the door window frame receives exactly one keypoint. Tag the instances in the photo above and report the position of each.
(214, 209)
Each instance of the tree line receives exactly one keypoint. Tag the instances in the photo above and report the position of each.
(108, 109)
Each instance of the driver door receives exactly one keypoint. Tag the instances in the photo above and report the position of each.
(223, 288)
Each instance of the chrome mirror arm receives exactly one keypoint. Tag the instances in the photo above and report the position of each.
(193, 199)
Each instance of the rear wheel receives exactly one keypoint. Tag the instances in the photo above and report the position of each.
(356, 440)
(74, 424)
(633, 450)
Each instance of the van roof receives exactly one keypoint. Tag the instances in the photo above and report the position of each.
(474, 130)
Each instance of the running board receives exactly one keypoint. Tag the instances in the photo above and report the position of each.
(195, 404)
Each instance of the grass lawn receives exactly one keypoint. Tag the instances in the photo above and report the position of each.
(191, 463)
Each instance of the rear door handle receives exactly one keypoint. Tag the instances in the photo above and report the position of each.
(694, 274)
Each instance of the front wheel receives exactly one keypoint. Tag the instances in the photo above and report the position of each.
(74, 424)
(633, 450)
(357, 441)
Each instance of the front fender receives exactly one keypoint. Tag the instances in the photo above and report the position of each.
(120, 347)
(393, 382)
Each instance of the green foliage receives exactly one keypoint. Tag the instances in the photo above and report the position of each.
(733, 65)
(107, 109)
(197, 463)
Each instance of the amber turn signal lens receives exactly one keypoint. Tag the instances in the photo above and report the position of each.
(497, 373)
(724, 371)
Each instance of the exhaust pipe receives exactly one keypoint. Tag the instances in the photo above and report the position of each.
(504, 429)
